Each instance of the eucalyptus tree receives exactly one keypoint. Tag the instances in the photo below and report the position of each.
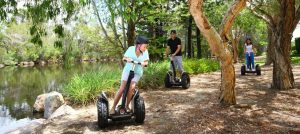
(218, 43)
(282, 17)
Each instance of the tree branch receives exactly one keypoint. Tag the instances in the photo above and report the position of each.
(100, 21)
(263, 15)
(104, 30)
(297, 17)
(236, 7)
(113, 24)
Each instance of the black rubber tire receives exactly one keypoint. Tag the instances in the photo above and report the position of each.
(243, 70)
(167, 81)
(102, 114)
(258, 70)
(139, 107)
(185, 81)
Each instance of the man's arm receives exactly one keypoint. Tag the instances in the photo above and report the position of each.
(177, 50)
(167, 50)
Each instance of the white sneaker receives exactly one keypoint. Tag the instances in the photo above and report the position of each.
(253, 69)
(247, 69)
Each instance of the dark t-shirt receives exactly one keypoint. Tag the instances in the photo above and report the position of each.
(173, 44)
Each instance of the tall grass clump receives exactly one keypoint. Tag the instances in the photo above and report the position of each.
(196, 66)
(154, 75)
(85, 87)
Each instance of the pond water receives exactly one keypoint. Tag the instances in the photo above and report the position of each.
(19, 87)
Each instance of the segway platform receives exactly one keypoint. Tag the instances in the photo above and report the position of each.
(244, 71)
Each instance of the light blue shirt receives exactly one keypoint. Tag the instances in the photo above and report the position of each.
(131, 54)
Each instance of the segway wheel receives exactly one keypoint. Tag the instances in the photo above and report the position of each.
(102, 109)
(243, 70)
(185, 81)
(258, 70)
(168, 83)
(139, 108)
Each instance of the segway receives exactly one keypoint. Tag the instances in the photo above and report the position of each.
(171, 79)
(137, 105)
(257, 68)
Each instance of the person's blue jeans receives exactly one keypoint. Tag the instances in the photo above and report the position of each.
(249, 60)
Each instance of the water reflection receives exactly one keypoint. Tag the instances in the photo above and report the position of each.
(19, 87)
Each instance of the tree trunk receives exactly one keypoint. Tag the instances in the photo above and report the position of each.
(227, 95)
(283, 78)
(123, 30)
(235, 43)
(189, 46)
(198, 43)
(130, 33)
(235, 39)
(218, 44)
(270, 48)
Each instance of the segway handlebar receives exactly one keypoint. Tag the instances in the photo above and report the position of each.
(134, 62)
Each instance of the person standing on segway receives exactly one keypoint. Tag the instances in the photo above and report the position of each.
(174, 43)
(249, 54)
(138, 53)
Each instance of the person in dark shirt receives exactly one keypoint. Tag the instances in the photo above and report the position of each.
(174, 44)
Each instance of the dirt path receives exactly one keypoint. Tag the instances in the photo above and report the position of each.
(196, 110)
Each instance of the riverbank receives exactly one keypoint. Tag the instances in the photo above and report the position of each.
(51, 62)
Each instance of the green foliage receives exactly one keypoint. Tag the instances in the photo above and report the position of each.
(195, 66)
(8, 59)
(248, 25)
(215, 11)
(82, 42)
(7, 7)
(84, 88)
(297, 45)
(295, 60)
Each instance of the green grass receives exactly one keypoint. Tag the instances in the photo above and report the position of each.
(84, 88)
(154, 74)
(295, 60)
